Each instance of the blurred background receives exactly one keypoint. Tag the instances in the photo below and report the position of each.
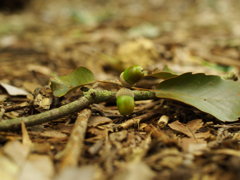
(109, 35)
(166, 15)
(42, 38)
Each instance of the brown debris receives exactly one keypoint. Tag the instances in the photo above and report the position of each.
(195, 141)
(162, 139)
(136, 120)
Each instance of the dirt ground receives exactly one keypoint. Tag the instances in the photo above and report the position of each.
(162, 139)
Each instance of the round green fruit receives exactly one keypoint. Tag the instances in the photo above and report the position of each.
(125, 104)
(132, 74)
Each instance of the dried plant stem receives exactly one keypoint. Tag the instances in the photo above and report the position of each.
(135, 120)
(90, 97)
(74, 147)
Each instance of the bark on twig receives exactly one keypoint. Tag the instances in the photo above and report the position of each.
(90, 97)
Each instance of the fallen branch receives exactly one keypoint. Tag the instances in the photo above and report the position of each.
(90, 97)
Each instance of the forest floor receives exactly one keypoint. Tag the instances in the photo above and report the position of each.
(162, 139)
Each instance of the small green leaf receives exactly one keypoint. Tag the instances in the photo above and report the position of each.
(63, 84)
(59, 89)
(210, 94)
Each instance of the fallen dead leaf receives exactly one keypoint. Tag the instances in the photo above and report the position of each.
(196, 141)
(13, 91)
(94, 121)
(191, 129)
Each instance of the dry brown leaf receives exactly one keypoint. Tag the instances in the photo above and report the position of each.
(13, 91)
(196, 140)
(97, 132)
(178, 126)
(188, 129)
(94, 121)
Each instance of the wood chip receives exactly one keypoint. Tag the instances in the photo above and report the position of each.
(136, 120)
(163, 121)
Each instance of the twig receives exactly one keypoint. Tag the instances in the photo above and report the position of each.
(163, 121)
(135, 120)
(73, 149)
(26, 141)
(90, 97)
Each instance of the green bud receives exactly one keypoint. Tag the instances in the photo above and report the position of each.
(132, 75)
(125, 101)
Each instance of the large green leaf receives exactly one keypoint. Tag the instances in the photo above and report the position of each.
(210, 94)
(63, 84)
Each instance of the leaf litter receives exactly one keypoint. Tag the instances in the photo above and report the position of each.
(198, 37)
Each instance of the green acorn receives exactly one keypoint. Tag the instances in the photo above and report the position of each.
(132, 75)
(125, 101)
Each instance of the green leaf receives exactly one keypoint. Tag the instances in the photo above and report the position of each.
(63, 84)
(210, 94)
